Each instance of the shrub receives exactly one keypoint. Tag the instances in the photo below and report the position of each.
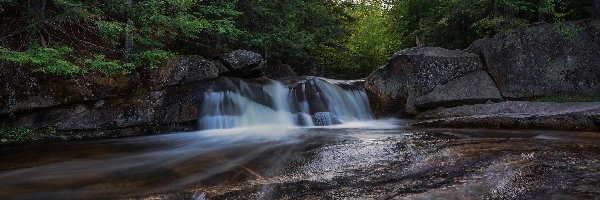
(152, 58)
(46, 60)
(109, 67)
(16, 134)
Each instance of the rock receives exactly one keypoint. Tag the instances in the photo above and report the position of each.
(516, 115)
(172, 106)
(308, 67)
(544, 60)
(181, 105)
(165, 99)
(279, 71)
(186, 69)
(242, 63)
(474, 88)
(23, 91)
(413, 72)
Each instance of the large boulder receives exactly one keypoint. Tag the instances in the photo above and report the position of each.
(544, 60)
(394, 88)
(186, 69)
(476, 87)
(243, 63)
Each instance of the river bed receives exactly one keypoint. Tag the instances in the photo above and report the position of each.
(364, 160)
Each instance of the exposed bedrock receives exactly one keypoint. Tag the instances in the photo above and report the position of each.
(162, 100)
(516, 115)
(394, 88)
(544, 60)
(538, 61)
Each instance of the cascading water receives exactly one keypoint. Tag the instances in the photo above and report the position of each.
(300, 101)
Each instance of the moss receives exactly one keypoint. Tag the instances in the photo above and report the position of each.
(569, 98)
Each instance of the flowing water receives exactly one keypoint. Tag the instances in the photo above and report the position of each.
(306, 138)
(310, 101)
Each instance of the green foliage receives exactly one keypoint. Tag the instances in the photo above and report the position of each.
(368, 44)
(73, 10)
(446, 23)
(46, 60)
(24, 134)
(16, 134)
(553, 8)
(109, 67)
(55, 61)
(111, 31)
(350, 37)
(85, 36)
(456, 24)
(49, 129)
(291, 30)
(159, 22)
(152, 58)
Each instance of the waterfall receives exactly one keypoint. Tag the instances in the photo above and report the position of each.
(299, 101)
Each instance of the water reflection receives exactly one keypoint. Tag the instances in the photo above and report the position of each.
(164, 162)
(374, 159)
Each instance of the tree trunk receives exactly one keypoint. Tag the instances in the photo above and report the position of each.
(128, 46)
(596, 9)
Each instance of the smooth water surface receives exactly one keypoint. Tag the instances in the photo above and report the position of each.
(376, 159)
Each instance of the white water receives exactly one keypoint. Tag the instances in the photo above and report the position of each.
(311, 101)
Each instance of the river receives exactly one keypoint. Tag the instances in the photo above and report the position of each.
(256, 145)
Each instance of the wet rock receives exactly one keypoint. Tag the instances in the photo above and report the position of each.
(187, 69)
(242, 63)
(279, 71)
(521, 115)
(180, 105)
(23, 91)
(173, 106)
(115, 104)
(544, 60)
(308, 67)
(474, 88)
(413, 72)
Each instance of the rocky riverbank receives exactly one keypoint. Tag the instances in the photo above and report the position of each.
(454, 88)
(40, 107)
(372, 162)
(516, 115)
(543, 60)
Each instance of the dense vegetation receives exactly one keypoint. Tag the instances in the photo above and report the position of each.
(72, 38)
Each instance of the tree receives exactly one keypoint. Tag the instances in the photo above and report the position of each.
(284, 31)
(369, 43)
(103, 32)
(438, 22)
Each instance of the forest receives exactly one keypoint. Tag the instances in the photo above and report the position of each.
(350, 37)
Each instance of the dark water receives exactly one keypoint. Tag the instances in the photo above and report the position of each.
(375, 160)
